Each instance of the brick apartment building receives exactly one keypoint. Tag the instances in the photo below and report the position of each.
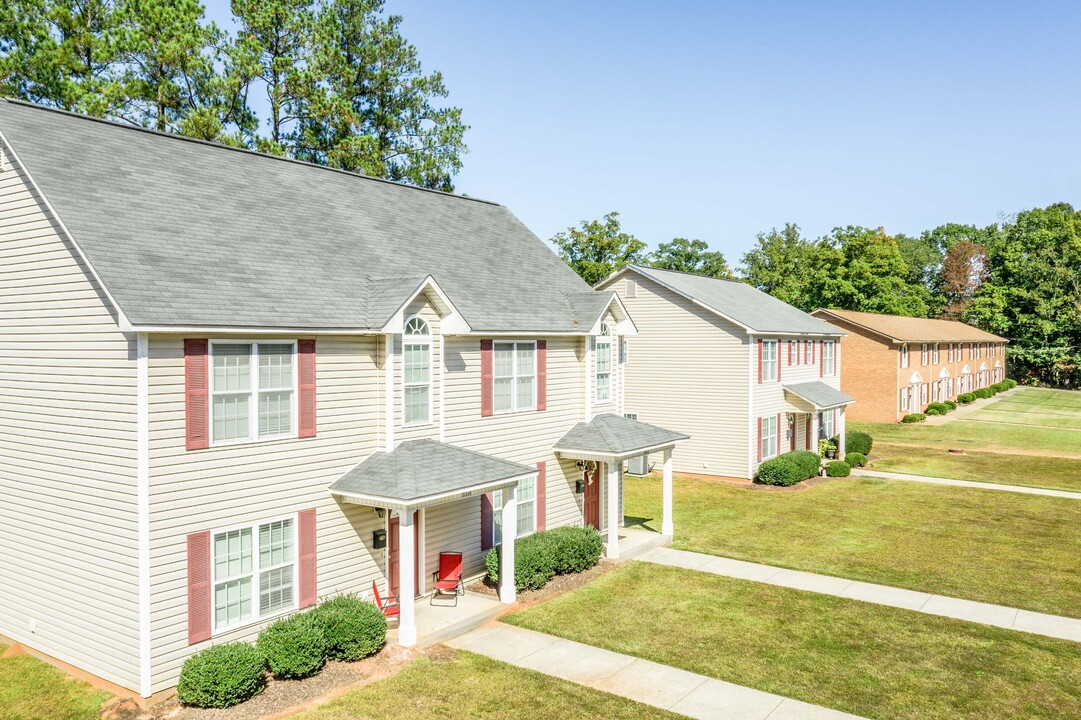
(897, 365)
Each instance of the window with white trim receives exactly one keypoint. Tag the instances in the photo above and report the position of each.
(829, 358)
(254, 572)
(949, 352)
(416, 372)
(769, 436)
(904, 356)
(825, 422)
(602, 363)
(923, 355)
(525, 506)
(904, 398)
(514, 376)
(769, 360)
(934, 355)
(923, 394)
(247, 405)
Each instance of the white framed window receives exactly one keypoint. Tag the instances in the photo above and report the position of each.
(769, 436)
(602, 363)
(809, 351)
(253, 390)
(923, 394)
(525, 505)
(769, 360)
(949, 352)
(825, 422)
(793, 352)
(416, 372)
(904, 398)
(904, 356)
(829, 358)
(254, 571)
(923, 355)
(514, 376)
(934, 355)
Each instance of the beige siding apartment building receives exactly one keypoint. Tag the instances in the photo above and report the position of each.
(232, 385)
(747, 376)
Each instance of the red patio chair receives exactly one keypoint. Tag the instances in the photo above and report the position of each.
(389, 606)
(448, 579)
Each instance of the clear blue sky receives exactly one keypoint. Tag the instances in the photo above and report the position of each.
(717, 120)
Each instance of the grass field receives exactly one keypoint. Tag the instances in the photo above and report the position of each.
(33, 690)
(871, 660)
(463, 685)
(996, 547)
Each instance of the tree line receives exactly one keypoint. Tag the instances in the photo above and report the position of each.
(336, 81)
(1019, 278)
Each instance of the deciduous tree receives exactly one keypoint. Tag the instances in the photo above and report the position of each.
(690, 256)
(598, 248)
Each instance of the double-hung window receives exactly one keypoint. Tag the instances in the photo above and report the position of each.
(514, 377)
(603, 364)
(769, 360)
(934, 355)
(904, 356)
(923, 355)
(769, 436)
(525, 505)
(254, 572)
(829, 362)
(253, 389)
(904, 398)
(416, 373)
(825, 421)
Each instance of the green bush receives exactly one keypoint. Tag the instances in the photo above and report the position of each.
(294, 647)
(966, 398)
(575, 549)
(914, 418)
(1010, 383)
(937, 408)
(809, 462)
(782, 471)
(858, 442)
(1000, 387)
(534, 562)
(856, 459)
(981, 393)
(950, 404)
(222, 676)
(838, 468)
(352, 628)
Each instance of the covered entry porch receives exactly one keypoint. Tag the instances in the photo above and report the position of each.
(420, 479)
(815, 411)
(601, 446)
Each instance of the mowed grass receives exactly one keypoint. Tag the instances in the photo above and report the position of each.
(463, 685)
(871, 660)
(997, 547)
(1034, 406)
(33, 690)
(1051, 473)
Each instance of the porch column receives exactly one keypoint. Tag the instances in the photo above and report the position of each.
(612, 484)
(814, 432)
(841, 433)
(667, 527)
(407, 621)
(506, 548)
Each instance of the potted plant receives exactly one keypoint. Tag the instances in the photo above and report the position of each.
(826, 448)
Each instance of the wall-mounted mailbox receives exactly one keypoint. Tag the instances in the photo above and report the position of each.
(379, 539)
(579, 487)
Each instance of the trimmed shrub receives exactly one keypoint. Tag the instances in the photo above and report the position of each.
(858, 442)
(295, 647)
(574, 549)
(966, 398)
(782, 471)
(534, 562)
(937, 408)
(856, 459)
(914, 418)
(838, 468)
(950, 404)
(1010, 383)
(981, 393)
(222, 676)
(1000, 387)
(809, 462)
(352, 628)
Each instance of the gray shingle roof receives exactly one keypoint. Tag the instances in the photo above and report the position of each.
(187, 233)
(820, 394)
(420, 469)
(610, 434)
(738, 301)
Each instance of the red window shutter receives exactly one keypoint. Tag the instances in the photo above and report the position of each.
(790, 352)
(487, 520)
(199, 622)
(542, 374)
(759, 439)
(778, 346)
(542, 495)
(306, 387)
(306, 555)
(197, 394)
(822, 358)
(486, 372)
(759, 361)
(811, 349)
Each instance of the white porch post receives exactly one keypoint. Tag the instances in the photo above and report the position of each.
(667, 526)
(407, 621)
(506, 548)
(612, 485)
(814, 431)
(841, 433)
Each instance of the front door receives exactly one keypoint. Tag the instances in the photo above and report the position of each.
(592, 500)
(394, 547)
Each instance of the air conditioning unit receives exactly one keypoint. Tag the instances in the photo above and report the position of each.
(639, 465)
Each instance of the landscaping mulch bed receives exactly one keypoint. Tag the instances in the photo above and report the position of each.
(804, 485)
(556, 586)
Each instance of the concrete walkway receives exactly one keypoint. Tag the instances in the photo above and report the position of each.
(1054, 626)
(660, 686)
(883, 475)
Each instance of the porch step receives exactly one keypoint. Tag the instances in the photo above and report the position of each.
(634, 543)
(431, 630)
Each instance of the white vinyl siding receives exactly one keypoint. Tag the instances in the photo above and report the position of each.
(235, 390)
(514, 376)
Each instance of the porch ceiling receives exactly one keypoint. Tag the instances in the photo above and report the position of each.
(420, 473)
(610, 437)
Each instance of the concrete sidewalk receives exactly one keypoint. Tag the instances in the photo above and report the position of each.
(660, 686)
(882, 475)
(1054, 626)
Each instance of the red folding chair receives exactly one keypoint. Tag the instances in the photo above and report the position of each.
(448, 579)
(389, 606)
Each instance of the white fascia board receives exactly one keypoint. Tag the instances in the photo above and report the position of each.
(429, 500)
(225, 330)
(624, 324)
(451, 321)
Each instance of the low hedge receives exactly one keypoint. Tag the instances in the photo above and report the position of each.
(222, 676)
(982, 393)
(950, 404)
(937, 408)
(295, 647)
(966, 398)
(781, 471)
(838, 468)
(541, 556)
(352, 628)
(575, 549)
(858, 442)
(808, 461)
(914, 418)
(1010, 383)
(856, 459)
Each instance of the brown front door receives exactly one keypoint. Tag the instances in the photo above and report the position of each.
(394, 546)
(592, 501)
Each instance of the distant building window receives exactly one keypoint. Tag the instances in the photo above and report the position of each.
(904, 399)
(904, 356)
(923, 354)
(934, 355)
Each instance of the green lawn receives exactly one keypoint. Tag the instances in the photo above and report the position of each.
(464, 685)
(996, 547)
(871, 660)
(32, 690)
(1048, 472)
